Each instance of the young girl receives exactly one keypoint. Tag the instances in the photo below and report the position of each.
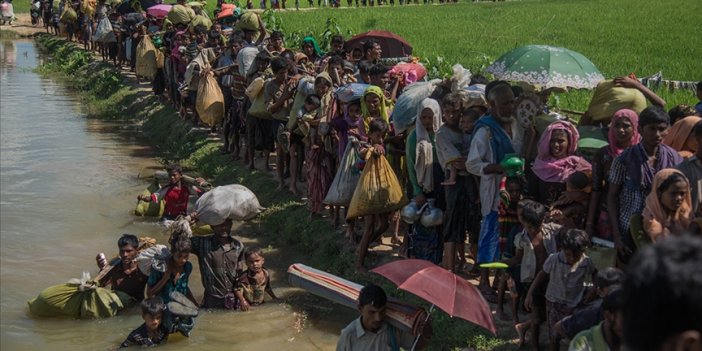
(668, 207)
(255, 281)
(566, 271)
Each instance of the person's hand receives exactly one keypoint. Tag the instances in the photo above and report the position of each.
(200, 180)
(244, 306)
(619, 245)
(205, 71)
(528, 302)
(626, 82)
(420, 200)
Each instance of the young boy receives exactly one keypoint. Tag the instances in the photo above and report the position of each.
(565, 271)
(466, 124)
(533, 245)
(153, 331)
(255, 281)
(176, 194)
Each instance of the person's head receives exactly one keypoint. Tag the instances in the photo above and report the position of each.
(681, 111)
(501, 100)
(235, 44)
(180, 250)
(356, 54)
(312, 102)
(354, 111)
(373, 102)
(468, 119)
(371, 303)
(279, 66)
(577, 181)
(673, 190)
(452, 108)
(263, 59)
(624, 128)
(612, 315)
(277, 40)
(573, 244)
(514, 187)
(379, 76)
(653, 125)
(558, 145)
(214, 39)
(371, 50)
(175, 173)
(336, 64)
(128, 245)
(337, 44)
(322, 84)
(377, 130)
(478, 79)
(531, 215)
(697, 131)
(201, 33)
(606, 279)
(152, 312)
(223, 229)
(249, 35)
(308, 48)
(662, 303)
(254, 259)
(430, 111)
(364, 70)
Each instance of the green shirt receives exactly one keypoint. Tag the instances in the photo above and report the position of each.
(589, 340)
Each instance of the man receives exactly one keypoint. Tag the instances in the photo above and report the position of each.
(495, 135)
(372, 51)
(662, 303)
(370, 332)
(176, 194)
(220, 257)
(607, 335)
(691, 167)
(125, 276)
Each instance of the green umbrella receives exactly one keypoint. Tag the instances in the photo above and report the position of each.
(547, 66)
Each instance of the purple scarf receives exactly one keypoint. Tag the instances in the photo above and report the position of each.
(635, 161)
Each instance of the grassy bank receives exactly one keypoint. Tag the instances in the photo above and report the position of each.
(286, 223)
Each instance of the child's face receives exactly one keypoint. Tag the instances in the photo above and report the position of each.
(377, 137)
(180, 258)
(281, 75)
(427, 119)
(531, 229)
(514, 190)
(572, 257)
(623, 129)
(255, 262)
(674, 195)
(652, 134)
(466, 124)
(309, 107)
(559, 144)
(152, 322)
(354, 112)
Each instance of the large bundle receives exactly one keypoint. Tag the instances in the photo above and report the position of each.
(151, 208)
(350, 92)
(180, 14)
(78, 298)
(88, 7)
(609, 99)
(104, 32)
(378, 190)
(405, 111)
(410, 72)
(248, 21)
(69, 15)
(147, 58)
(200, 20)
(232, 201)
(258, 107)
(154, 257)
(210, 101)
(346, 178)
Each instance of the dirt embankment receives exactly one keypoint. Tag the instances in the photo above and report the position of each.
(23, 26)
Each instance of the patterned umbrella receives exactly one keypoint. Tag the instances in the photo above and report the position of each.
(547, 66)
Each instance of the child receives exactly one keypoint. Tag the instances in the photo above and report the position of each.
(174, 279)
(571, 207)
(566, 271)
(375, 224)
(255, 281)
(308, 113)
(466, 124)
(533, 245)
(509, 225)
(153, 331)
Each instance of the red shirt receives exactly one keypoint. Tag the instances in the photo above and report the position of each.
(176, 199)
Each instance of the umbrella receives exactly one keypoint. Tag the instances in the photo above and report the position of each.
(547, 66)
(129, 6)
(159, 11)
(441, 288)
(392, 44)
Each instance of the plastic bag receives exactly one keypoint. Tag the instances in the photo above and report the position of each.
(104, 33)
(346, 178)
(155, 257)
(460, 78)
(609, 99)
(146, 58)
(405, 111)
(411, 72)
(232, 201)
(378, 190)
(350, 92)
(210, 101)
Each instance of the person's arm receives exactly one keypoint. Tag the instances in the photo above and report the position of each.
(411, 152)
(269, 289)
(261, 31)
(516, 259)
(627, 82)
(528, 301)
(155, 283)
(479, 161)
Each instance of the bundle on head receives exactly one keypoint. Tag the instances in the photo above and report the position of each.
(179, 227)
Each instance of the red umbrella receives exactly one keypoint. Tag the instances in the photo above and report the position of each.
(440, 287)
(392, 44)
(159, 11)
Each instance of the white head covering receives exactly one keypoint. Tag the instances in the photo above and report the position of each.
(423, 165)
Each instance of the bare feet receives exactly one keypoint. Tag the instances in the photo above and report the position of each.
(521, 332)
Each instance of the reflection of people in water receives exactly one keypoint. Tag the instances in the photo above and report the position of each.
(175, 194)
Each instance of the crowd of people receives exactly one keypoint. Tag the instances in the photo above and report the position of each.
(516, 194)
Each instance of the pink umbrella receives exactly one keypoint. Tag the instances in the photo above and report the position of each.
(440, 287)
(159, 11)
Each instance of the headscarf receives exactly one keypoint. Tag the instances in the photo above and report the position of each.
(423, 165)
(327, 99)
(550, 169)
(631, 115)
(656, 221)
(681, 138)
(364, 108)
(317, 50)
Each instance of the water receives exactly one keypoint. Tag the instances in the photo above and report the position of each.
(67, 188)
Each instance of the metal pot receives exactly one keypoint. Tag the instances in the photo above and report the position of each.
(432, 216)
(411, 212)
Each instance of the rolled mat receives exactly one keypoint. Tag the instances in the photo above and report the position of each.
(401, 315)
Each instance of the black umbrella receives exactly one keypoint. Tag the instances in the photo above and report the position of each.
(130, 6)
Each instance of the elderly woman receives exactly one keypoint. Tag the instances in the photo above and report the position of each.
(425, 176)
(555, 162)
(681, 138)
(668, 207)
(623, 132)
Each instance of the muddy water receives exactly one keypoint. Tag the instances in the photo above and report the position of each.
(67, 186)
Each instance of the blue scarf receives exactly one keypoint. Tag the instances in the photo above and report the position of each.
(500, 142)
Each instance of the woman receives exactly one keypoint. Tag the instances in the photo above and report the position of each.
(555, 162)
(320, 161)
(623, 132)
(312, 50)
(425, 176)
(681, 138)
(668, 207)
(373, 106)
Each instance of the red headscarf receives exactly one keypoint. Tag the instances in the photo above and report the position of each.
(631, 115)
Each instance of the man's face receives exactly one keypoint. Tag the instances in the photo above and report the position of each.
(372, 317)
(337, 47)
(222, 229)
(375, 52)
(277, 43)
(451, 114)
(174, 177)
(127, 254)
(652, 134)
(379, 80)
(503, 105)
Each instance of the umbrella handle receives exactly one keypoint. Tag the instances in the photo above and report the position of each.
(416, 340)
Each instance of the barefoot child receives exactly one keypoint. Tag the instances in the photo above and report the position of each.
(255, 281)
(152, 332)
(466, 124)
(509, 225)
